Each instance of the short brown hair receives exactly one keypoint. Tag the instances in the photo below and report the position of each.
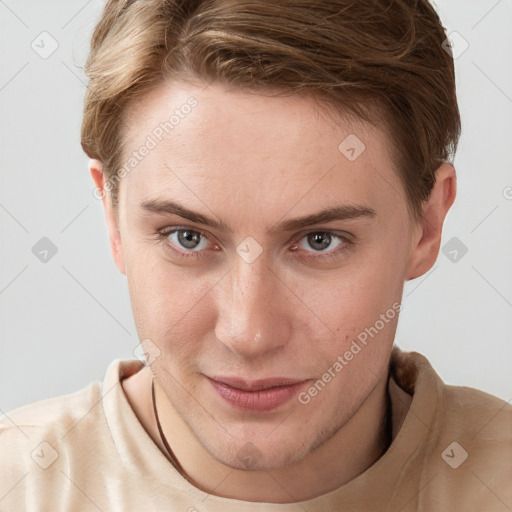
(381, 60)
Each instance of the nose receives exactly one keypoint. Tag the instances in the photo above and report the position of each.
(252, 320)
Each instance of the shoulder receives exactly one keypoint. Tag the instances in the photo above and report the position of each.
(43, 444)
(462, 448)
(58, 416)
(57, 413)
(480, 423)
(454, 411)
(36, 446)
(471, 450)
(39, 433)
(468, 406)
(459, 408)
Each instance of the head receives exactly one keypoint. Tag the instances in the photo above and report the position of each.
(272, 173)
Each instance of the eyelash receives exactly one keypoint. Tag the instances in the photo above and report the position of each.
(345, 243)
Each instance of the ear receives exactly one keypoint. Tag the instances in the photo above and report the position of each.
(96, 170)
(427, 238)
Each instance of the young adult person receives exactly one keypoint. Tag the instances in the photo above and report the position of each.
(272, 172)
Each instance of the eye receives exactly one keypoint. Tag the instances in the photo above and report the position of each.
(323, 245)
(319, 241)
(188, 239)
(183, 241)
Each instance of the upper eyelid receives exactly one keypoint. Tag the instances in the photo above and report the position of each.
(340, 234)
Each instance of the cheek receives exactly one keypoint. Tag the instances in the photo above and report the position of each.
(353, 298)
(361, 315)
(169, 307)
(357, 304)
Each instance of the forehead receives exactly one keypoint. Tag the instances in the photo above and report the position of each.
(224, 142)
(167, 111)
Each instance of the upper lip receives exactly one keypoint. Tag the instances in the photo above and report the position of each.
(256, 385)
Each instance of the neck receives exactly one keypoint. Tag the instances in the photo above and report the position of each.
(348, 453)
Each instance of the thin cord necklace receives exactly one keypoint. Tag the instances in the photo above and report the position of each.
(388, 427)
(170, 453)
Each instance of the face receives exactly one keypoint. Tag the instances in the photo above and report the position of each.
(265, 254)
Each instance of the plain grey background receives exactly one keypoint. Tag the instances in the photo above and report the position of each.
(65, 319)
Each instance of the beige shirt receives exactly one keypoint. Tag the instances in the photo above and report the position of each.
(87, 451)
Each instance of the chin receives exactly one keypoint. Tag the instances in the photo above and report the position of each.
(258, 455)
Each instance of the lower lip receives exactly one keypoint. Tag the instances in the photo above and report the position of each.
(263, 400)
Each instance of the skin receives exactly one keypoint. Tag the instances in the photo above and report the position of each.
(250, 162)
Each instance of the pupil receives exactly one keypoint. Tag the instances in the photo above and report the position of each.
(189, 239)
(319, 241)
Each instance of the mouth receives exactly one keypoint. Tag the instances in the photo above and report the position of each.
(257, 396)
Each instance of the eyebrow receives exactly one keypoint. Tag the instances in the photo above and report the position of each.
(342, 212)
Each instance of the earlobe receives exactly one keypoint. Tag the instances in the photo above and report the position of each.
(116, 248)
(428, 240)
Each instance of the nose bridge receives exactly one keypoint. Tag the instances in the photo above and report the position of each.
(251, 321)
